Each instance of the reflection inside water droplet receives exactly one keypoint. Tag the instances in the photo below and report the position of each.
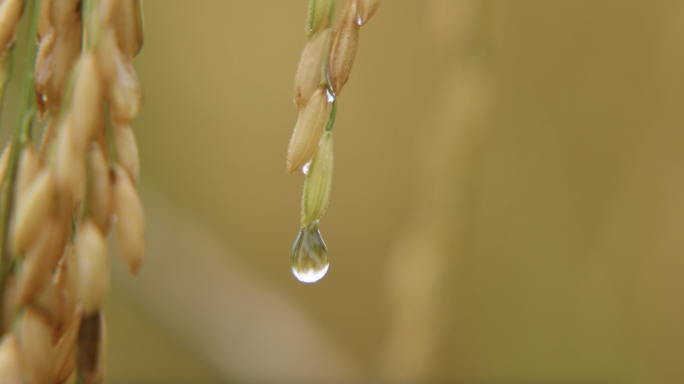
(359, 20)
(309, 258)
(306, 167)
(330, 97)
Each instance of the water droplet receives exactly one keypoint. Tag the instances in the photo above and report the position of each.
(359, 20)
(306, 167)
(309, 258)
(330, 97)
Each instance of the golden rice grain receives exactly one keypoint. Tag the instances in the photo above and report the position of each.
(70, 168)
(87, 98)
(36, 271)
(10, 13)
(125, 95)
(93, 266)
(63, 56)
(130, 221)
(101, 204)
(343, 50)
(61, 12)
(65, 362)
(11, 363)
(66, 283)
(108, 10)
(129, 28)
(27, 170)
(366, 10)
(308, 76)
(36, 347)
(48, 303)
(308, 131)
(126, 150)
(35, 207)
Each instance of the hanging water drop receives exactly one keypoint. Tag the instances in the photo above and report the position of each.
(309, 258)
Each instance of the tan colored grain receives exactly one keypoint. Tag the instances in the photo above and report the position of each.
(70, 168)
(43, 70)
(28, 168)
(65, 362)
(61, 12)
(10, 13)
(63, 57)
(308, 131)
(366, 10)
(125, 94)
(87, 99)
(36, 271)
(128, 27)
(36, 206)
(48, 303)
(93, 266)
(308, 76)
(108, 10)
(343, 50)
(66, 282)
(126, 150)
(36, 347)
(11, 362)
(101, 205)
(130, 221)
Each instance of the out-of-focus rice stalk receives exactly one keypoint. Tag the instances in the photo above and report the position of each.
(446, 142)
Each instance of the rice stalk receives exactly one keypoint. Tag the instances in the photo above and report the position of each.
(58, 202)
(323, 70)
(420, 255)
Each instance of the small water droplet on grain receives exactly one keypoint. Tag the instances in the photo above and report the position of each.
(306, 167)
(309, 258)
(330, 96)
(359, 20)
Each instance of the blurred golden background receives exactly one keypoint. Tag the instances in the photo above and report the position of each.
(507, 206)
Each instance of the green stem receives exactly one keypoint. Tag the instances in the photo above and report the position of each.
(91, 28)
(7, 62)
(333, 114)
(324, 70)
(21, 135)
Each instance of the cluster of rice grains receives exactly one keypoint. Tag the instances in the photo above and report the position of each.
(59, 199)
(323, 70)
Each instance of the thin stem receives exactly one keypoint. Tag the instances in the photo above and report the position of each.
(7, 61)
(324, 67)
(20, 136)
(333, 114)
(91, 29)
